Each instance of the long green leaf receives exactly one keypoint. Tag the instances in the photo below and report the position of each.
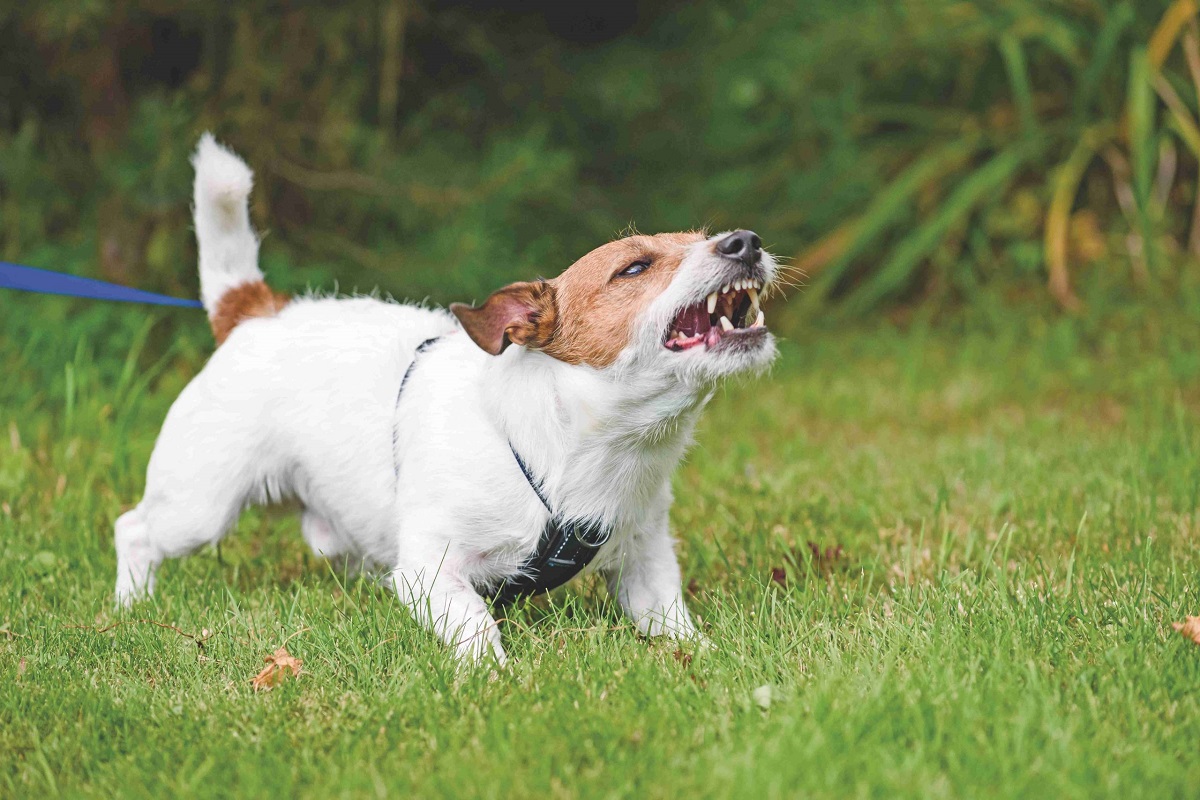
(909, 254)
(1120, 18)
(1018, 78)
(891, 205)
(1140, 100)
(1064, 185)
(1180, 118)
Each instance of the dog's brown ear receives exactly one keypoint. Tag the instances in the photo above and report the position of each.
(520, 313)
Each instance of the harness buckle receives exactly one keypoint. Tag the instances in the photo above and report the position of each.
(605, 535)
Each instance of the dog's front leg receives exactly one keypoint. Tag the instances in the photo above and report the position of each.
(446, 604)
(645, 580)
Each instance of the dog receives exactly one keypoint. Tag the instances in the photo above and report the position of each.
(447, 449)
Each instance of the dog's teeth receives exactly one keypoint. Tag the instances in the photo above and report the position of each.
(762, 320)
(725, 289)
(753, 293)
(712, 302)
(726, 325)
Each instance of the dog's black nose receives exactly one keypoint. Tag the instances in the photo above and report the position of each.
(742, 245)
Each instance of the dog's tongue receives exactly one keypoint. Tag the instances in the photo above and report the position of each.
(693, 320)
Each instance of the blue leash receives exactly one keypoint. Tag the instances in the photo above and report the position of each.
(44, 281)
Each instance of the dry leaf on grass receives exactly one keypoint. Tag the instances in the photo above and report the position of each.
(822, 561)
(1189, 628)
(278, 667)
(683, 658)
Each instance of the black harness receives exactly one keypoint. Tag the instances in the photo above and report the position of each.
(565, 546)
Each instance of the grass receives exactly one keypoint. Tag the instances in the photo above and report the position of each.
(1002, 511)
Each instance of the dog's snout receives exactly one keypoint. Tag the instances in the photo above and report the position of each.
(742, 245)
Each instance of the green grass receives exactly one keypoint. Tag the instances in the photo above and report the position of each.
(1015, 499)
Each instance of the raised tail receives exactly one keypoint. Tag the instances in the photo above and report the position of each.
(231, 284)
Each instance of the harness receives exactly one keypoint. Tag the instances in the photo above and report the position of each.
(565, 547)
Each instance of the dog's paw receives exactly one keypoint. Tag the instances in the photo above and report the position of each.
(671, 624)
(481, 650)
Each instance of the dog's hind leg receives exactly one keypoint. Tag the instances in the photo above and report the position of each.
(137, 558)
(166, 525)
(321, 536)
(203, 471)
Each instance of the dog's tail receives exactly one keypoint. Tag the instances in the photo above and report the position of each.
(231, 284)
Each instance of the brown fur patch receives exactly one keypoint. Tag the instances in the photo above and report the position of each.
(597, 312)
(244, 302)
(588, 314)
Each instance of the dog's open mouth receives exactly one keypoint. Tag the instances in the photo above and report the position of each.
(732, 312)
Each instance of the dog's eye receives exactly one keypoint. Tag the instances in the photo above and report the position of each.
(636, 268)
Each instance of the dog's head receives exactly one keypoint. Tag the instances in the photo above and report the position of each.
(680, 302)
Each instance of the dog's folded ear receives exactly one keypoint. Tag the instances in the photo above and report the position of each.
(520, 313)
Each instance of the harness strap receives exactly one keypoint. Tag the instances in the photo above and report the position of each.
(564, 548)
(421, 348)
(536, 485)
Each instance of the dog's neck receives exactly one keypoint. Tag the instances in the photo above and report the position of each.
(603, 442)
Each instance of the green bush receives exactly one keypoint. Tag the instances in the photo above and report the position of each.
(901, 151)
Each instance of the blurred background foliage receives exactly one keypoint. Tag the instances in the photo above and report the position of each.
(899, 154)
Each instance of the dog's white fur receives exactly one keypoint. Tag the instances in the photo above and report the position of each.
(304, 404)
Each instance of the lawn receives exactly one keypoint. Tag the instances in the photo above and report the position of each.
(935, 559)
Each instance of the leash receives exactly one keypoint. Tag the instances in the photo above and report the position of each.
(565, 546)
(44, 281)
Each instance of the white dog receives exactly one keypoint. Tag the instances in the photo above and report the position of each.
(421, 442)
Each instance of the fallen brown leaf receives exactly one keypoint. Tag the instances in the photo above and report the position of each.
(1189, 628)
(279, 665)
(824, 561)
(683, 658)
(779, 575)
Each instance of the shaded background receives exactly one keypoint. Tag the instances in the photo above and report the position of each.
(928, 154)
